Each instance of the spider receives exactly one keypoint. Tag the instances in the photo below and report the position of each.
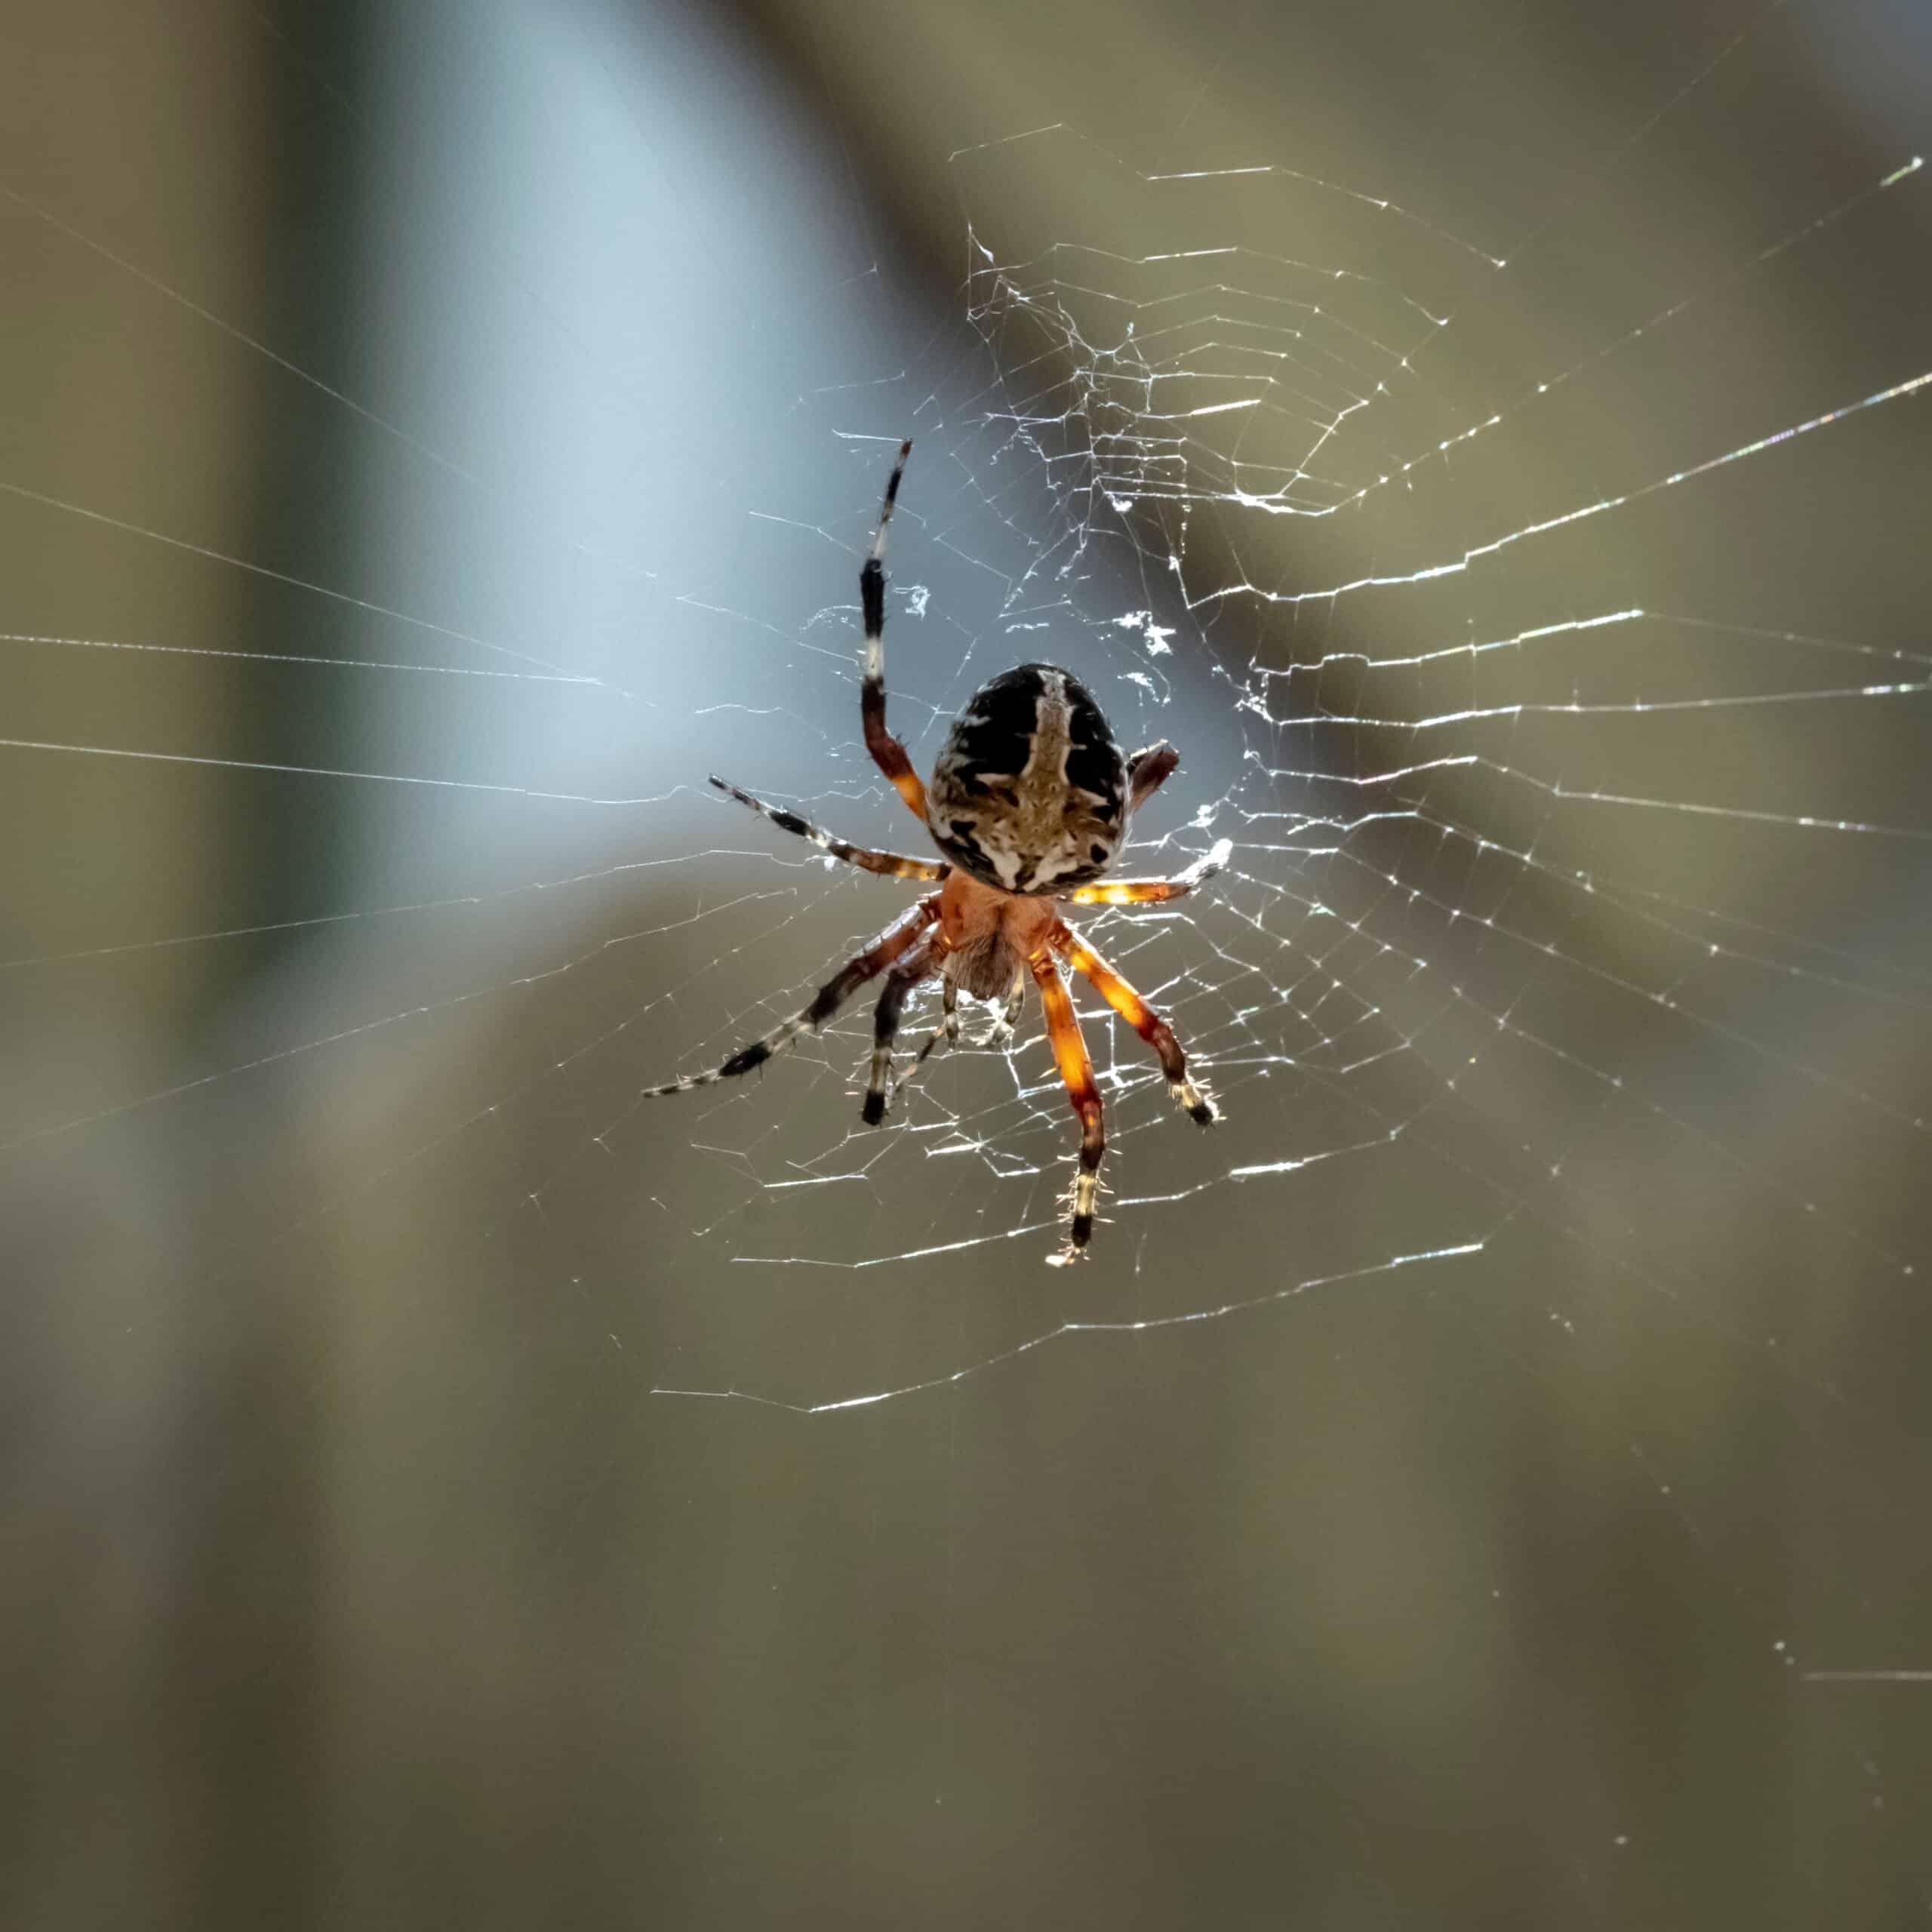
(1029, 802)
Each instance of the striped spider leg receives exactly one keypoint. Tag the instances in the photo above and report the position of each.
(1076, 1070)
(920, 964)
(888, 754)
(889, 865)
(900, 937)
(1142, 1017)
(1069, 1049)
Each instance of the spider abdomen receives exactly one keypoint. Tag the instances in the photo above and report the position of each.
(1029, 792)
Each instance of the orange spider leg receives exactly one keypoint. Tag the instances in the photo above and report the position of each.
(1143, 1019)
(1153, 891)
(888, 754)
(1077, 1070)
(1130, 892)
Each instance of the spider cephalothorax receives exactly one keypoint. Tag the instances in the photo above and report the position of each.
(1029, 801)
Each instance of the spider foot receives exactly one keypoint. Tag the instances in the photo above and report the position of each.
(1084, 1200)
(1199, 1107)
(880, 1100)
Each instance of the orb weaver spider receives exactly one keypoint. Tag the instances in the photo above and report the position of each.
(1029, 802)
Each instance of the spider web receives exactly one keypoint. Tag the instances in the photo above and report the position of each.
(1265, 504)
(1530, 578)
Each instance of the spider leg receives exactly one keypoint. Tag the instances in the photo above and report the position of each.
(902, 934)
(1153, 891)
(1077, 1070)
(1002, 1028)
(1148, 770)
(892, 865)
(1143, 1019)
(947, 1029)
(919, 963)
(888, 754)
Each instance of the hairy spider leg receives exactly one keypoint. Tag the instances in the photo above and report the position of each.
(947, 1029)
(1002, 1028)
(1153, 891)
(888, 754)
(1148, 770)
(890, 865)
(896, 939)
(919, 963)
(1143, 1019)
(1077, 1070)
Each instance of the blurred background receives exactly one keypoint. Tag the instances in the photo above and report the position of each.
(1485, 1481)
